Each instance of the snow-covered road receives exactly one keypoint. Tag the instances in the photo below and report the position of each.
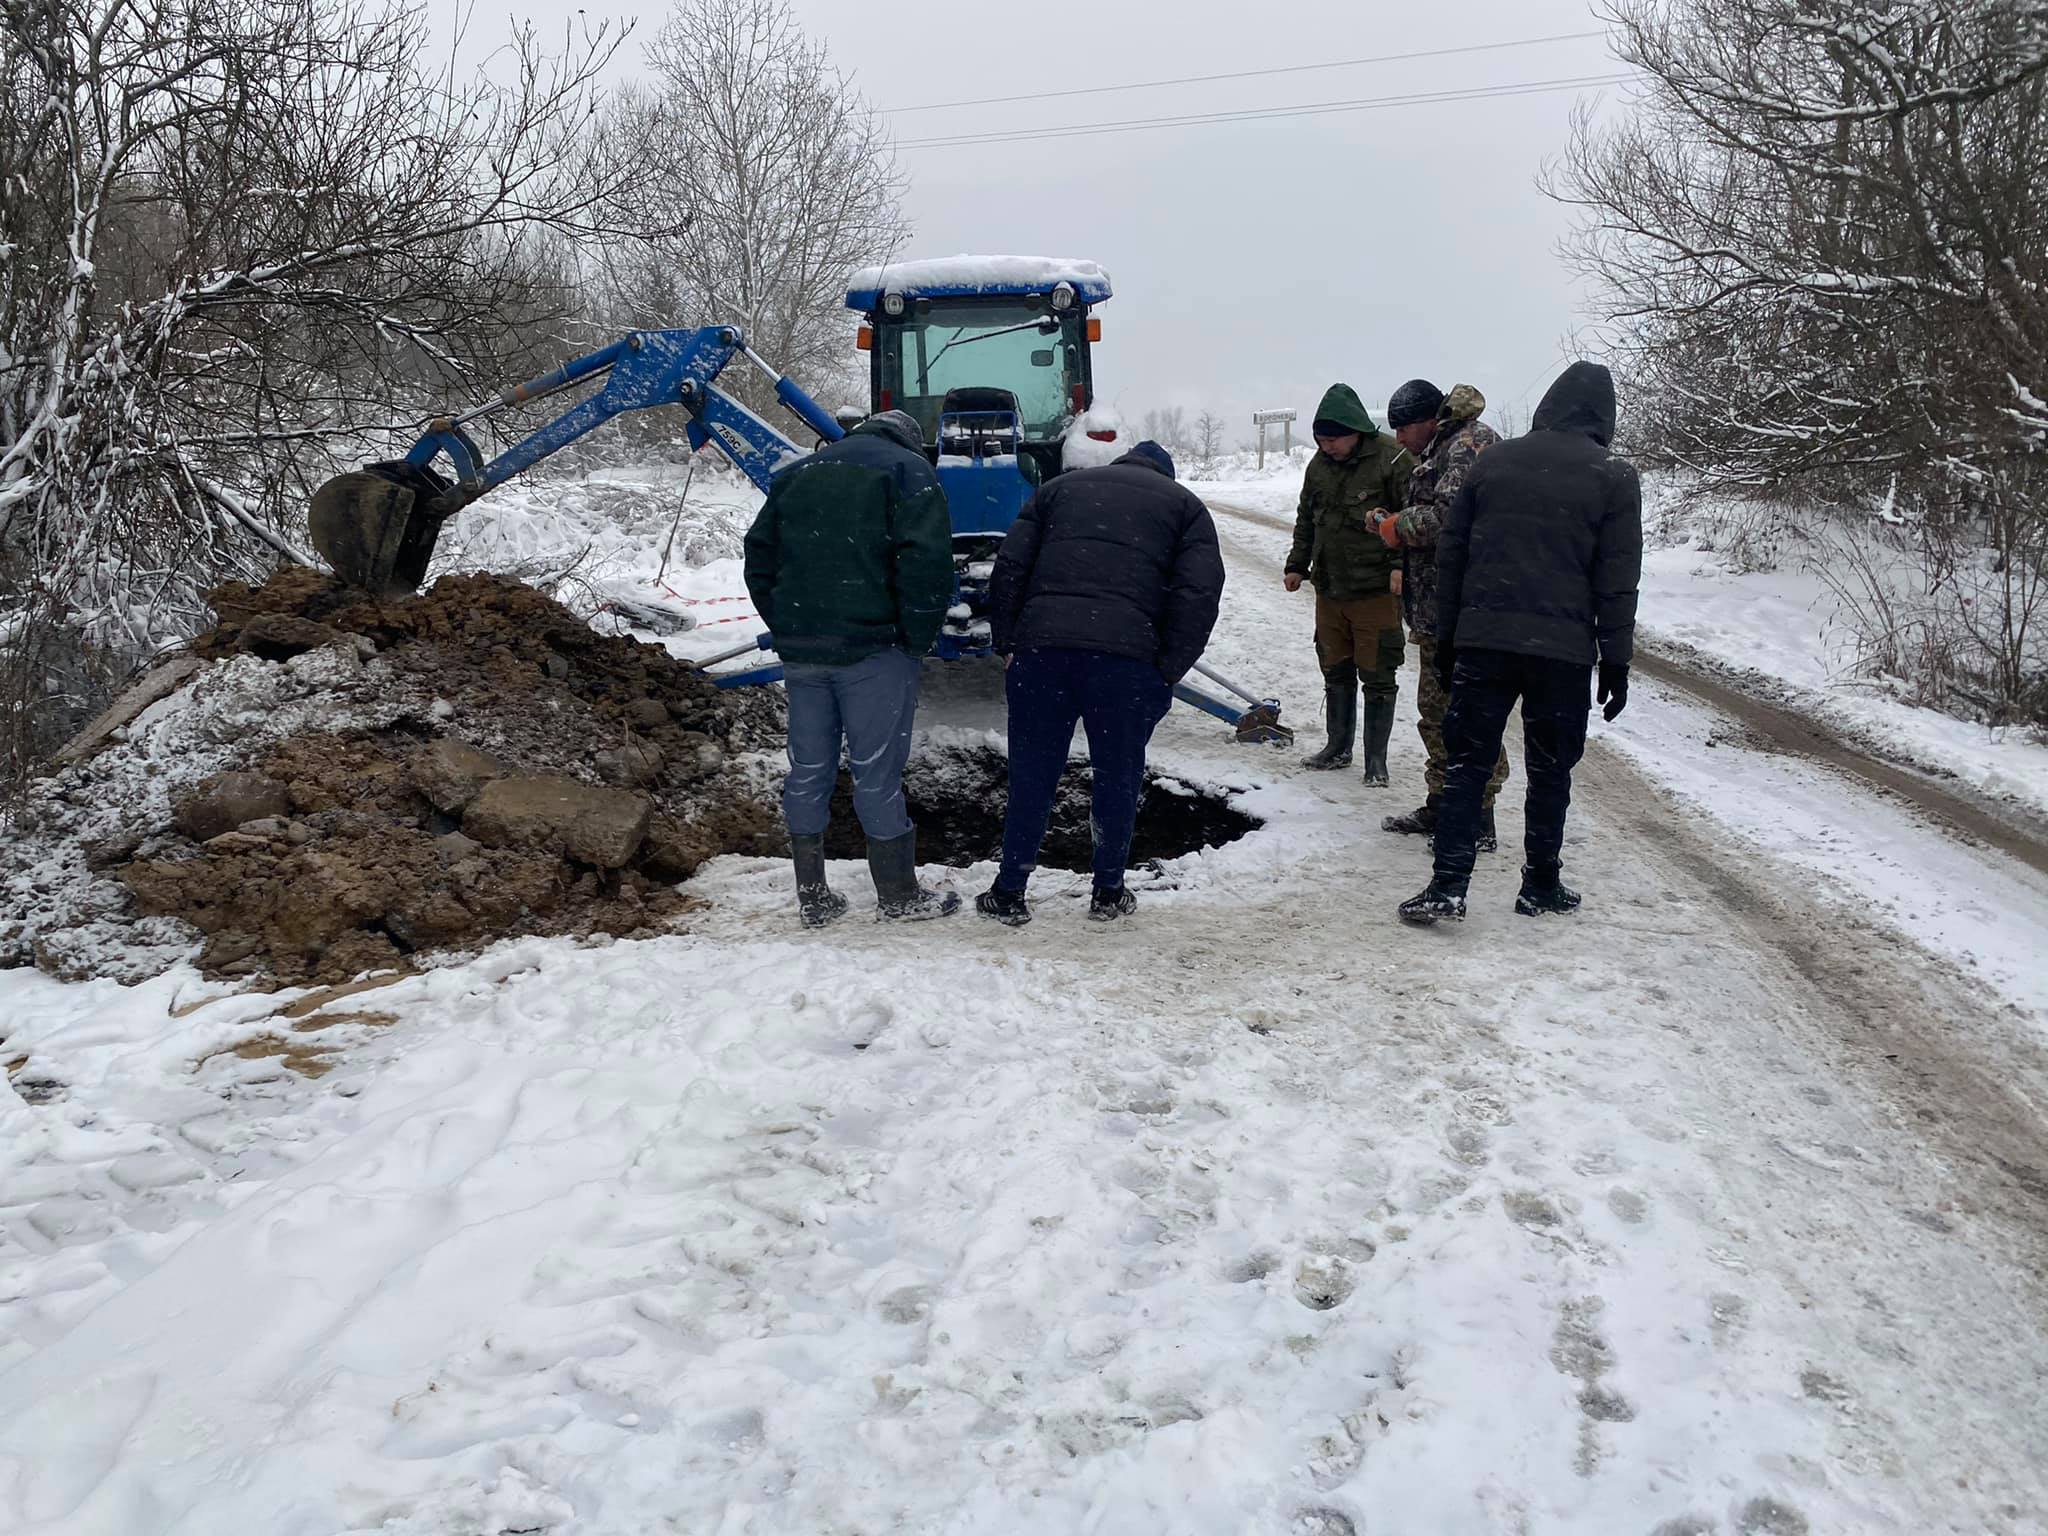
(1719, 1208)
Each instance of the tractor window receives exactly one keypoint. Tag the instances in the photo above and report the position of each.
(996, 346)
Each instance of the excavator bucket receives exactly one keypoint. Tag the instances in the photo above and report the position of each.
(1260, 726)
(373, 531)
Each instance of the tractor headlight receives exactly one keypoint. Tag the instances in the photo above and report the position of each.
(1063, 296)
(892, 303)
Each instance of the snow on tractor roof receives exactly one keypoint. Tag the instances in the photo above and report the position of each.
(952, 277)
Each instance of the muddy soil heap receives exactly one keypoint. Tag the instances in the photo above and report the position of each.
(343, 783)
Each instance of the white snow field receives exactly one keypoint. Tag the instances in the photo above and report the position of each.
(1718, 1208)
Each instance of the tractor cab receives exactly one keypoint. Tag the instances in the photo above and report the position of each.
(990, 355)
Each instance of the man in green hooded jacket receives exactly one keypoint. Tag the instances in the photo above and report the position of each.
(850, 565)
(1359, 474)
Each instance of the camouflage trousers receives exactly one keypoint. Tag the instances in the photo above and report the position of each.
(1430, 700)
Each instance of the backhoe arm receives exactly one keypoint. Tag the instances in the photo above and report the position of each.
(377, 527)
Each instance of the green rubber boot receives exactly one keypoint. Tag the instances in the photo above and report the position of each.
(1340, 714)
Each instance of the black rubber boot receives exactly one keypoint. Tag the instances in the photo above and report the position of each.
(898, 896)
(1108, 906)
(1422, 819)
(1433, 904)
(1379, 730)
(1543, 892)
(1340, 715)
(1007, 907)
(816, 902)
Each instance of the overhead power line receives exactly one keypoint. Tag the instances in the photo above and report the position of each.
(1249, 74)
(1263, 114)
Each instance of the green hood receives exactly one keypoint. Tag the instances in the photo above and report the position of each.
(1342, 405)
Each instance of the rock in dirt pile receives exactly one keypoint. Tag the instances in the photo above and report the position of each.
(331, 784)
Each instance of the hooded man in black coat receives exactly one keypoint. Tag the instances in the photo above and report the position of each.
(1537, 570)
(1104, 593)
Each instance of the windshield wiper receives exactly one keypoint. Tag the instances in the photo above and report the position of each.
(1047, 325)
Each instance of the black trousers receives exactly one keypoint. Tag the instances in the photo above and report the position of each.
(1556, 696)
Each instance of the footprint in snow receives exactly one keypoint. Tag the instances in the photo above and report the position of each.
(1323, 1282)
(1487, 1105)
(1528, 1209)
(1468, 1145)
(1767, 1517)
(1578, 1349)
(1630, 1206)
(910, 1304)
(1729, 1314)
(1324, 1522)
(1435, 1190)
(1149, 1100)
(1253, 1266)
(867, 1023)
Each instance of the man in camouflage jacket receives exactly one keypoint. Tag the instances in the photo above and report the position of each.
(1445, 434)
(1359, 474)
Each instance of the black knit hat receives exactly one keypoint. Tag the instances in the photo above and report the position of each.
(1417, 400)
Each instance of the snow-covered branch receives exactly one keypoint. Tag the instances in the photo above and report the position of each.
(248, 230)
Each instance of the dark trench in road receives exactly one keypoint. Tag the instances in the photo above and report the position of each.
(957, 796)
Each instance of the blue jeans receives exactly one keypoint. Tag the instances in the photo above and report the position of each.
(1118, 701)
(871, 705)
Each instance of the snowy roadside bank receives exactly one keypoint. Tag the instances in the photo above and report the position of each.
(1779, 635)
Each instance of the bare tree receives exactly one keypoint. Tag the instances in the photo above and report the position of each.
(1209, 430)
(1822, 244)
(763, 181)
(1169, 429)
(234, 234)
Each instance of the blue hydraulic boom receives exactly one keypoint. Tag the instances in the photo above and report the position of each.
(377, 527)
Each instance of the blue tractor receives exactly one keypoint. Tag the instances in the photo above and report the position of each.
(990, 355)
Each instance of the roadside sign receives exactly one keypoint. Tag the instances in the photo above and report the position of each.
(1284, 420)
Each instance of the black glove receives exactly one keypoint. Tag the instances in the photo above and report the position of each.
(1613, 688)
(1446, 664)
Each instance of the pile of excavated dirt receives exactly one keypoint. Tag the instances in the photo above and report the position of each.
(330, 784)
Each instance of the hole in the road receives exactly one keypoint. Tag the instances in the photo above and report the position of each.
(957, 796)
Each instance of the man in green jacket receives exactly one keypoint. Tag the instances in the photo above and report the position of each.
(1357, 476)
(850, 565)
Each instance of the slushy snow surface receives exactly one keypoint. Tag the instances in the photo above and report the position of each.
(1255, 1215)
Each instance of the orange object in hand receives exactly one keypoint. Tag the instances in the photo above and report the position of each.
(1390, 530)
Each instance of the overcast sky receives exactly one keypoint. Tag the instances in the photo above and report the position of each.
(1254, 263)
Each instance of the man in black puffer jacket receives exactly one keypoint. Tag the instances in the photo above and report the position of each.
(1104, 594)
(1537, 571)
